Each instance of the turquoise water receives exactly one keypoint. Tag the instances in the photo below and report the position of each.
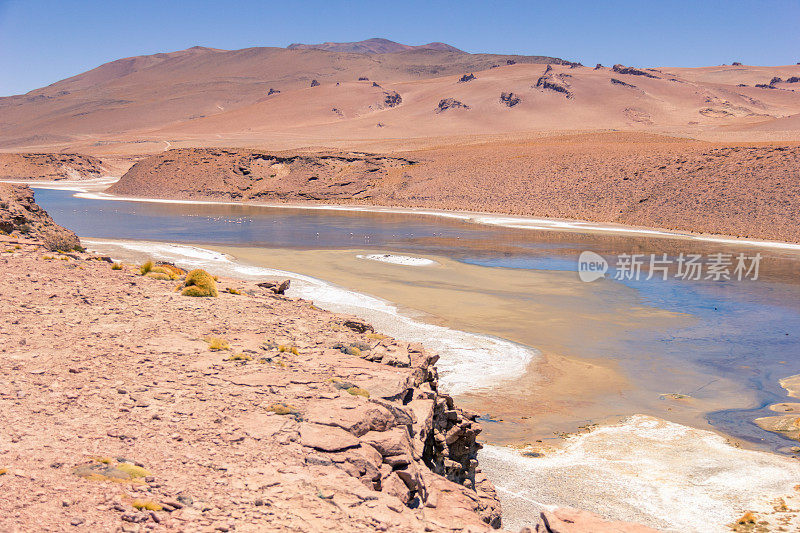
(745, 331)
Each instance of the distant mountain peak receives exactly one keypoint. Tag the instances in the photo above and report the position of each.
(376, 45)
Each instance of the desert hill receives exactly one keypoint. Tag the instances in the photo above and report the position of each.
(146, 92)
(511, 98)
(375, 45)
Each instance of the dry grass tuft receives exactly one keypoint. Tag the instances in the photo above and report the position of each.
(216, 344)
(146, 505)
(200, 283)
(116, 266)
(145, 268)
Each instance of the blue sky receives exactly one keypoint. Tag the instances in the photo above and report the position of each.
(44, 41)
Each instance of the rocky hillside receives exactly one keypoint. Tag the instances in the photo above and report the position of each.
(21, 217)
(252, 175)
(643, 180)
(49, 167)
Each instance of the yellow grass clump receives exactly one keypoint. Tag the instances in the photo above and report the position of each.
(132, 470)
(231, 290)
(146, 505)
(216, 344)
(282, 409)
(199, 283)
(145, 268)
(358, 391)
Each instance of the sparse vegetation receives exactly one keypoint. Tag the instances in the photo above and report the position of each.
(216, 344)
(145, 268)
(146, 505)
(231, 290)
(116, 266)
(132, 470)
(240, 357)
(283, 409)
(199, 283)
(358, 391)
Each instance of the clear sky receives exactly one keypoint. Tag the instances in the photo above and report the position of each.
(44, 41)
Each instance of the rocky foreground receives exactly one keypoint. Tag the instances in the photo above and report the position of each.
(128, 406)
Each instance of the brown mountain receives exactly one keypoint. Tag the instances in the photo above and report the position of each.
(145, 92)
(375, 45)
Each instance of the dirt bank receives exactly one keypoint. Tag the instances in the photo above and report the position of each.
(645, 180)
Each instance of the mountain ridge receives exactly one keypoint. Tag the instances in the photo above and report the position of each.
(375, 45)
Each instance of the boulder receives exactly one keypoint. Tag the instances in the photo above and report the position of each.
(389, 443)
(356, 419)
(509, 99)
(326, 438)
(450, 103)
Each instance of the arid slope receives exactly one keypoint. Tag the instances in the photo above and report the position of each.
(644, 180)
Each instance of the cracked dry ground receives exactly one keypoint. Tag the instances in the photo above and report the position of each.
(111, 399)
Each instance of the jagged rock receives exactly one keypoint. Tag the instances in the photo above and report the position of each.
(450, 103)
(620, 69)
(509, 99)
(353, 416)
(326, 438)
(394, 486)
(551, 83)
(20, 214)
(359, 327)
(363, 78)
(736, 64)
(466, 77)
(793, 79)
(375, 84)
(510, 62)
(598, 66)
(389, 443)
(272, 91)
(615, 81)
(391, 98)
(775, 80)
(314, 83)
(275, 287)
(548, 69)
(566, 520)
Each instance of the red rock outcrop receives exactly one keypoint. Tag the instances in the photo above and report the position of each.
(21, 216)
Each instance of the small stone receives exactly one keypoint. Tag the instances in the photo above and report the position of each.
(76, 521)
